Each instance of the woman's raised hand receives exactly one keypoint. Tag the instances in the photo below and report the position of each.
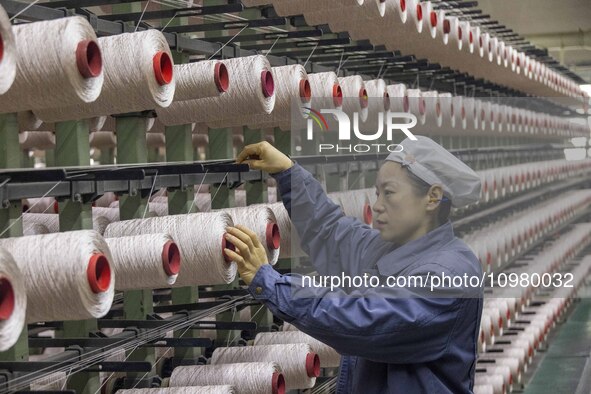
(264, 156)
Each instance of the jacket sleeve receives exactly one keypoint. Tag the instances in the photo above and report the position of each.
(334, 242)
(383, 325)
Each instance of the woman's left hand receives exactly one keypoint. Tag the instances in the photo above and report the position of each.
(251, 254)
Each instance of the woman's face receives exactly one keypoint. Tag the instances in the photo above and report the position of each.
(399, 213)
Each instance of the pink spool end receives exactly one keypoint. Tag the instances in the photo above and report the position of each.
(267, 83)
(1, 47)
(6, 299)
(367, 214)
(272, 236)
(98, 273)
(419, 12)
(305, 90)
(312, 365)
(88, 59)
(227, 245)
(337, 95)
(278, 383)
(171, 258)
(363, 99)
(433, 18)
(221, 77)
(163, 66)
(471, 37)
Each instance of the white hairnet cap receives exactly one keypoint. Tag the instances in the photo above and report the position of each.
(433, 164)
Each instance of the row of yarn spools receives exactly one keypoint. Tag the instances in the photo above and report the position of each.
(511, 330)
(72, 75)
(427, 30)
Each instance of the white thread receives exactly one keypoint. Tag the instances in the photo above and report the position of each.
(244, 96)
(247, 378)
(260, 219)
(40, 223)
(198, 80)
(130, 78)
(199, 237)
(290, 240)
(8, 58)
(354, 96)
(47, 74)
(55, 267)
(291, 358)
(139, 261)
(328, 356)
(103, 139)
(12, 284)
(183, 390)
(41, 140)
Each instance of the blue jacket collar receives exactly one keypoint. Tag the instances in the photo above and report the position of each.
(405, 255)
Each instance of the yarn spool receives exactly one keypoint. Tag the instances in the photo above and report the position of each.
(417, 105)
(448, 111)
(288, 327)
(7, 53)
(247, 378)
(354, 203)
(40, 223)
(328, 356)
(203, 202)
(260, 219)
(300, 366)
(398, 98)
(455, 32)
(83, 285)
(183, 390)
(200, 238)
(208, 78)
(40, 205)
(13, 301)
(158, 208)
(145, 261)
(105, 200)
(251, 92)
(41, 140)
(354, 96)
(111, 214)
(52, 382)
(138, 76)
(103, 140)
(28, 121)
(290, 240)
(378, 101)
(326, 91)
(59, 63)
(433, 109)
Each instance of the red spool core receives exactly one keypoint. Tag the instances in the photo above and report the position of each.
(305, 90)
(480, 44)
(459, 33)
(386, 101)
(422, 106)
(227, 245)
(7, 299)
(272, 236)
(471, 37)
(405, 103)
(88, 59)
(312, 365)
(446, 26)
(221, 77)
(278, 383)
(171, 258)
(56, 207)
(1, 47)
(337, 95)
(438, 109)
(163, 68)
(419, 12)
(367, 214)
(98, 273)
(267, 83)
(363, 99)
(463, 112)
(433, 18)
(402, 5)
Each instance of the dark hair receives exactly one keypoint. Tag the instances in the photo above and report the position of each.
(421, 188)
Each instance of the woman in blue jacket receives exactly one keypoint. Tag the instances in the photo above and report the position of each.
(412, 339)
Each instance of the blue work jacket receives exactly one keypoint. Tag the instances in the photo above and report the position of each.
(390, 342)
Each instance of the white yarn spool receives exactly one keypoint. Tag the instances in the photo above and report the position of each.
(354, 203)
(183, 390)
(448, 110)
(247, 378)
(260, 219)
(138, 76)
(59, 63)
(288, 327)
(299, 364)
(145, 261)
(200, 238)
(28, 121)
(290, 240)
(158, 208)
(103, 140)
(328, 356)
(53, 382)
(207, 78)
(443, 26)
(8, 53)
(40, 223)
(433, 109)
(13, 301)
(455, 32)
(398, 97)
(111, 214)
(203, 202)
(41, 140)
(354, 96)
(417, 105)
(326, 91)
(430, 16)
(40, 205)
(251, 92)
(415, 11)
(75, 280)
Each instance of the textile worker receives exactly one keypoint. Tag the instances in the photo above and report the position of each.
(392, 340)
